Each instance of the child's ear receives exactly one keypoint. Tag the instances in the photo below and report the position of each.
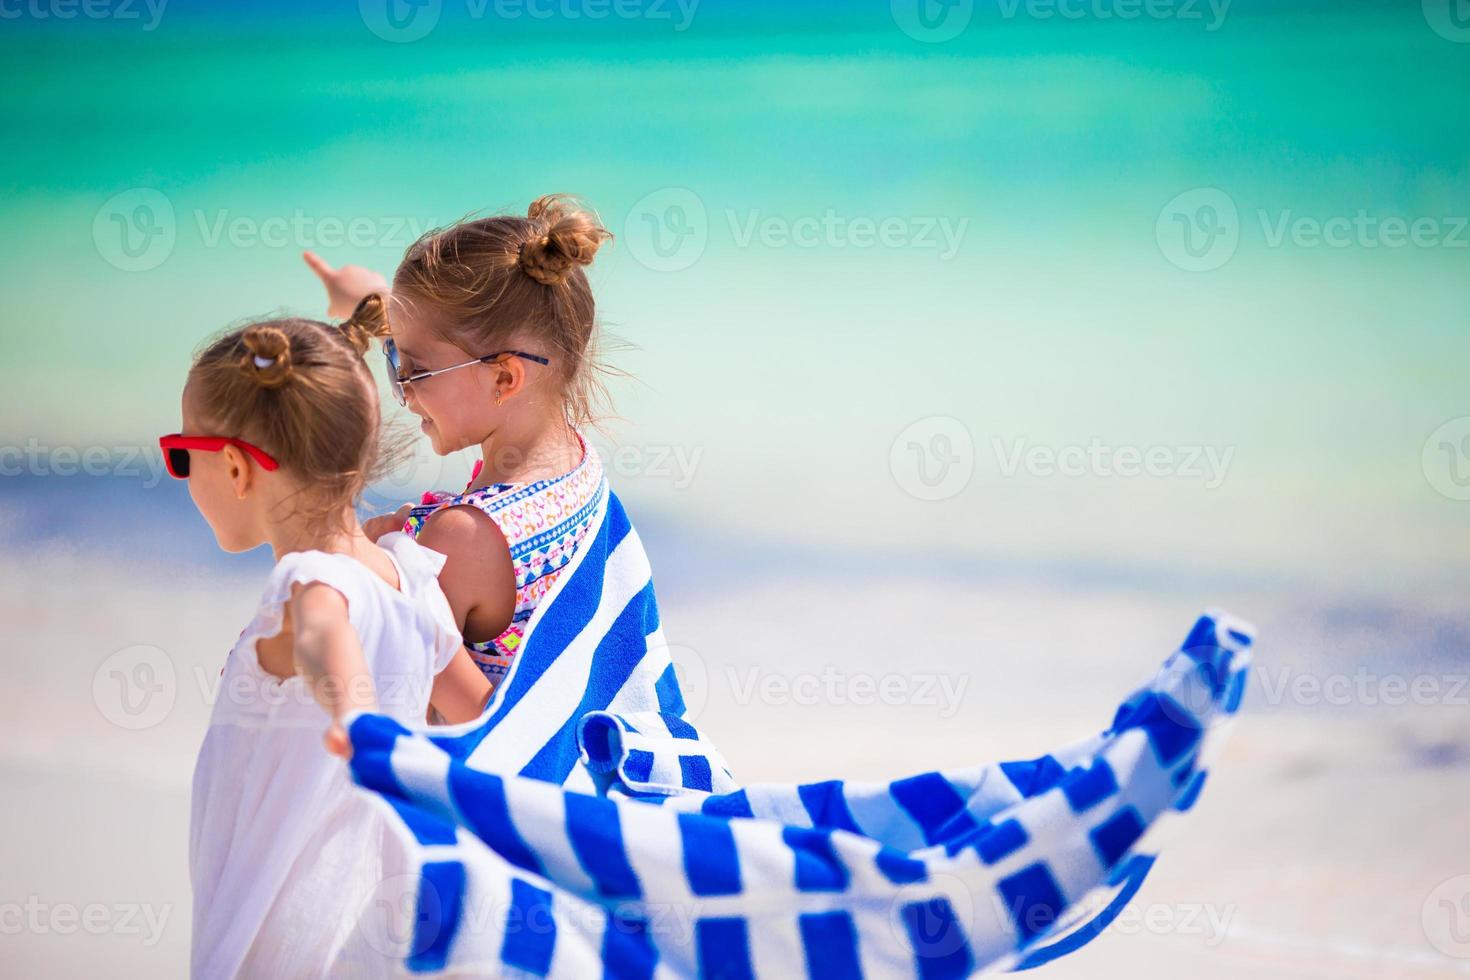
(242, 474)
(508, 376)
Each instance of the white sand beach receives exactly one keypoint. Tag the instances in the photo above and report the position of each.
(1316, 850)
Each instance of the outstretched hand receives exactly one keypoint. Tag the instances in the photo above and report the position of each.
(346, 286)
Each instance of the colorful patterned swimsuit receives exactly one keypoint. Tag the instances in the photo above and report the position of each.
(543, 522)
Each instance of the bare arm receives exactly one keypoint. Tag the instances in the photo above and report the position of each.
(329, 655)
(478, 579)
(461, 690)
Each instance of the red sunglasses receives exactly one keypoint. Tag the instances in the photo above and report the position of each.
(176, 451)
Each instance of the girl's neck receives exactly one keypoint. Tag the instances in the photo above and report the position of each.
(540, 450)
(342, 536)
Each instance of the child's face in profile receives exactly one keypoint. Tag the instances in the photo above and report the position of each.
(457, 407)
(224, 486)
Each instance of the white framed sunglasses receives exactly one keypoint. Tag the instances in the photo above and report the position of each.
(396, 378)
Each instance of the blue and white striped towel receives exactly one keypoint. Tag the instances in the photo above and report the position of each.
(594, 671)
(534, 845)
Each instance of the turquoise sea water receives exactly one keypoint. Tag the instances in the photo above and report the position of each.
(1034, 177)
(907, 286)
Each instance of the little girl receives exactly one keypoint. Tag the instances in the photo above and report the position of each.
(280, 432)
(493, 345)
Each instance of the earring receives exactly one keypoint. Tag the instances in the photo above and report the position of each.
(497, 397)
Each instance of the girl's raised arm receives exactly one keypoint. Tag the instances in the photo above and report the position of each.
(347, 286)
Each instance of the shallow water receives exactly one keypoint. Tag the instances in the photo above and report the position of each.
(784, 349)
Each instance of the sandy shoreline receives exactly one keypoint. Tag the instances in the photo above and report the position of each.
(1315, 852)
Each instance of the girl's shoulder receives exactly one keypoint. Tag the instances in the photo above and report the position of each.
(416, 604)
(355, 580)
(342, 572)
(418, 569)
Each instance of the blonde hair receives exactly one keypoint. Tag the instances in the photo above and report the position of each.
(300, 390)
(484, 281)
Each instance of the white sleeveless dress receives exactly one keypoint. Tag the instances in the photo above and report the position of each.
(283, 848)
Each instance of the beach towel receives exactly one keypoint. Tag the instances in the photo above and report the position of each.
(583, 827)
(594, 671)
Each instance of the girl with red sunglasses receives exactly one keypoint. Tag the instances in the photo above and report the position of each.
(280, 434)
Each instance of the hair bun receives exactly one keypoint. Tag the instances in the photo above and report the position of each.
(267, 359)
(367, 323)
(563, 237)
